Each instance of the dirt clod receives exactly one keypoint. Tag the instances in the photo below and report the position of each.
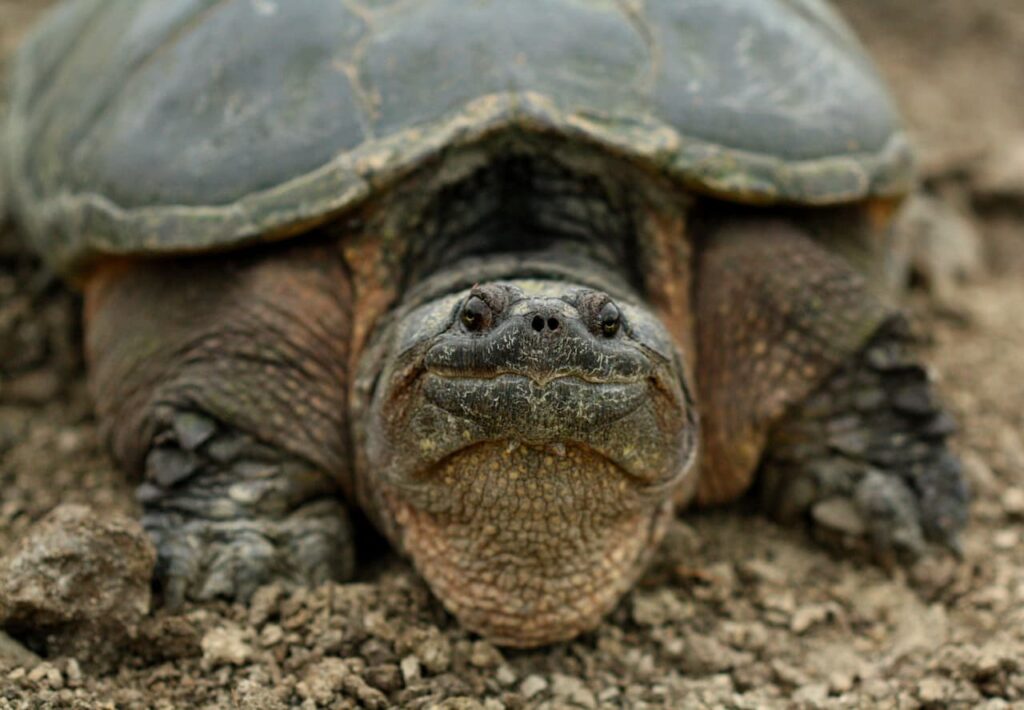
(78, 584)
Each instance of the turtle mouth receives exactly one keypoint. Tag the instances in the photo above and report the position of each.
(536, 410)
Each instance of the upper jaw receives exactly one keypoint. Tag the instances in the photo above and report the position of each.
(562, 408)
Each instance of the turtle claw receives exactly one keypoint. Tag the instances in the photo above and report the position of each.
(202, 560)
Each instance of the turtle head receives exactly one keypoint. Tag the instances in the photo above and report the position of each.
(523, 439)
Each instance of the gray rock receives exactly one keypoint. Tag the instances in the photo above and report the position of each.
(78, 585)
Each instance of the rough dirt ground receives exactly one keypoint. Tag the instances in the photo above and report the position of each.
(738, 612)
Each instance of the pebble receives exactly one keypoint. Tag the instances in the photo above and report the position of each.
(48, 674)
(572, 690)
(505, 675)
(435, 651)
(839, 514)
(935, 689)
(73, 672)
(813, 694)
(265, 603)
(807, 616)
(532, 685)
(225, 645)
(411, 670)
(323, 680)
(1005, 539)
(271, 635)
(840, 682)
(659, 608)
(1013, 502)
(485, 655)
(385, 676)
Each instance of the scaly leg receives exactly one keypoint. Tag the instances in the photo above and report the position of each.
(221, 383)
(806, 375)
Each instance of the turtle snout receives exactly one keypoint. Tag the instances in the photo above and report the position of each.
(543, 339)
(546, 321)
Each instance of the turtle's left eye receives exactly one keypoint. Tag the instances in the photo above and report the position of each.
(476, 314)
(609, 318)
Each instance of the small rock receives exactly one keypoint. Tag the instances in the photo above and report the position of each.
(762, 571)
(384, 676)
(807, 616)
(1001, 174)
(271, 635)
(532, 685)
(485, 655)
(814, 694)
(942, 243)
(505, 675)
(253, 696)
(78, 584)
(265, 603)
(839, 514)
(411, 671)
(73, 672)
(706, 654)
(935, 689)
(225, 645)
(435, 651)
(572, 690)
(324, 679)
(48, 675)
(1005, 539)
(658, 608)
(1013, 502)
(840, 682)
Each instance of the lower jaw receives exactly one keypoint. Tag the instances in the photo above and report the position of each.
(536, 560)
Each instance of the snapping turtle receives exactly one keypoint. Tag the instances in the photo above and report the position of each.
(474, 269)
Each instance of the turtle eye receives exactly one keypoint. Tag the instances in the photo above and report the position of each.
(609, 318)
(476, 314)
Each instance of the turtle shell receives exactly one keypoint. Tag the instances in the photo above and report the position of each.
(149, 127)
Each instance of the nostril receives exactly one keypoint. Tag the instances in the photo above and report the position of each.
(538, 323)
(553, 323)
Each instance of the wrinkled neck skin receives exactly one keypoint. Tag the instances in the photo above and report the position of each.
(521, 422)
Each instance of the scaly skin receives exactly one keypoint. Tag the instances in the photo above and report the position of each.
(804, 372)
(526, 461)
(520, 440)
(220, 385)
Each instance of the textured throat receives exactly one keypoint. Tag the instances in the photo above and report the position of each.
(528, 545)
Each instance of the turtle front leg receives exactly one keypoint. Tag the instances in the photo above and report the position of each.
(220, 382)
(808, 377)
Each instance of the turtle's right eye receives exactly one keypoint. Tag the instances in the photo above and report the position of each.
(476, 314)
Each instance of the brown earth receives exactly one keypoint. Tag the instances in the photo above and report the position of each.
(740, 613)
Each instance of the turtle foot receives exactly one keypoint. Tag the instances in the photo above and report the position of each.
(202, 560)
(229, 514)
(866, 461)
